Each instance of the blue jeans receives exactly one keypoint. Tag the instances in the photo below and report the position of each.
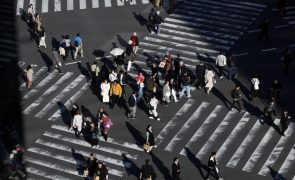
(232, 72)
(158, 27)
(186, 89)
(140, 92)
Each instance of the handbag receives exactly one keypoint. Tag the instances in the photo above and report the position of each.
(162, 64)
(86, 172)
(146, 147)
(96, 177)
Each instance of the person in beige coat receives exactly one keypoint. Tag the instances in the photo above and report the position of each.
(29, 75)
(209, 79)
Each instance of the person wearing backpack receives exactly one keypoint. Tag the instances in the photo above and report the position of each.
(236, 95)
(147, 171)
(158, 21)
(135, 42)
(106, 126)
(78, 46)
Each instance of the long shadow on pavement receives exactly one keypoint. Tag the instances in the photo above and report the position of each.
(160, 165)
(65, 114)
(198, 164)
(137, 135)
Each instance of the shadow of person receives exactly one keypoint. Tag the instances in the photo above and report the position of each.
(47, 60)
(98, 53)
(136, 134)
(55, 43)
(80, 161)
(252, 110)
(218, 94)
(130, 166)
(84, 71)
(275, 175)
(88, 113)
(142, 21)
(198, 164)
(243, 89)
(65, 114)
(121, 41)
(160, 165)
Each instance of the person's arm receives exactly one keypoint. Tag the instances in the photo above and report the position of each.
(147, 137)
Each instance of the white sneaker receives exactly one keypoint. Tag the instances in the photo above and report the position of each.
(176, 100)
(151, 117)
(221, 77)
(158, 119)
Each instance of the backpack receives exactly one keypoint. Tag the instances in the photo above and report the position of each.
(76, 43)
(109, 123)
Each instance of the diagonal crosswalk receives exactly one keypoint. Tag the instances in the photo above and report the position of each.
(46, 6)
(290, 15)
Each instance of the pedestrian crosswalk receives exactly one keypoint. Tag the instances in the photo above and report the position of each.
(45, 6)
(290, 15)
(240, 139)
(198, 30)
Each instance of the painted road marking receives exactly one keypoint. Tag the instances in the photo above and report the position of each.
(57, 5)
(45, 6)
(42, 173)
(95, 4)
(270, 49)
(288, 164)
(70, 5)
(82, 4)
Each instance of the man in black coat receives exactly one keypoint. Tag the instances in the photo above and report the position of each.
(236, 95)
(175, 169)
(132, 105)
(264, 29)
(285, 119)
(147, 171)
(212, 166)
(200, 73)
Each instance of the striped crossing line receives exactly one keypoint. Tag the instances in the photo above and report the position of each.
(290, 15)
(22, 5)
(45, 174)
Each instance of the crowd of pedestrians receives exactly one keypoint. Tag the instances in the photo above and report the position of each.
(110, 82)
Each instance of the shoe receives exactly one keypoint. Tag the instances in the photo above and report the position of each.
(151, 117)
(133, 118)
(158, 119)
(242, 111)
(220, 179)
(176, 100)
(221, 77)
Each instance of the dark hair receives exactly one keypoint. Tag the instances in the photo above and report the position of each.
(94, 62)
(78, 34)
(67, 36)
(174, 159)
(148, 126)
(29, 67)
(147, 161)
(213, 153)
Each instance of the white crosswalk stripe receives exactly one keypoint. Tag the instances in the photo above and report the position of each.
(82, 4)
(202, 130)
(95, 3)
(57, 5)
(20, 7)
(179, 135)
(287, 165)
(277, 151)
(55, 100)
(70, 5)
(107, 3)
(120, 2)
(44, 174)
(259, 149)
(45, 6)
(290, 15)
(33, 2)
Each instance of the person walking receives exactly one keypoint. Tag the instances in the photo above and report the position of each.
(94, 74)
(281, 7)
(42, 35)
(101, 171)
(176, 64)
(155, 73)
(106, 124)
(236, 95)
(78, 46)
(268, 110)
(135, 42)
(57, 60)
(255, 92)
(29, 76)
(153, 104)
(77, 124)
(66, 44)
(168, 67)
(264, 29)
(175, 169)
(185, 80)
(151, 21)
(276, 90)
(31, 15)
(173, 87)
(150, 138)
(166, 93)
(130, 55)
(151, 86)
(91, 165)
(105, 89)
(120, 63)
(220, 62)
(232, 65)
(287, 58)
(123, 81)
(147, 171)
(209, 79)
(285, 120)
(212, 167)
(140, 84)
(113, 76)
(132, 102)
(158, 21)
(115, 94)
(38, 23)
(200, 75)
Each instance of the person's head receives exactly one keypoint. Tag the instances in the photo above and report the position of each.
(201, 63)
(134, 92)
(115, 82)
(121, 72)
(99, 164)
(105, 81)
(220, 52)
(29, 67)
(94, 62)
(276, 81)
(149, 127)
(37, 15)
(147, 161)
(178, 55)
(285, 111)
(78, 34)
(255, 75)
(31, 5)
(91, 155)
(213, 154)
(134, 33)
(175, 160)
(237, 87)
(101, 109)
(67, 36)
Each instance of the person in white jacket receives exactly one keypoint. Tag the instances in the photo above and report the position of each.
(254, 87)
(105, 89)
(166, 93)
(220, 62)
(153, 112)
(77, 123)
(209, 79)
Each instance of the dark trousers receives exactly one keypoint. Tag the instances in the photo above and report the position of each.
(286, 68)
(200, 81)
(104, 135)
(236, 102)
(276, 96)
(115, 100)
(220, 69)
(264, 33)
(210, 172)
(284, 127)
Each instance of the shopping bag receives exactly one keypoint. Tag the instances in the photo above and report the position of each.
(162, 64)
(86, 172)
(146, 147)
